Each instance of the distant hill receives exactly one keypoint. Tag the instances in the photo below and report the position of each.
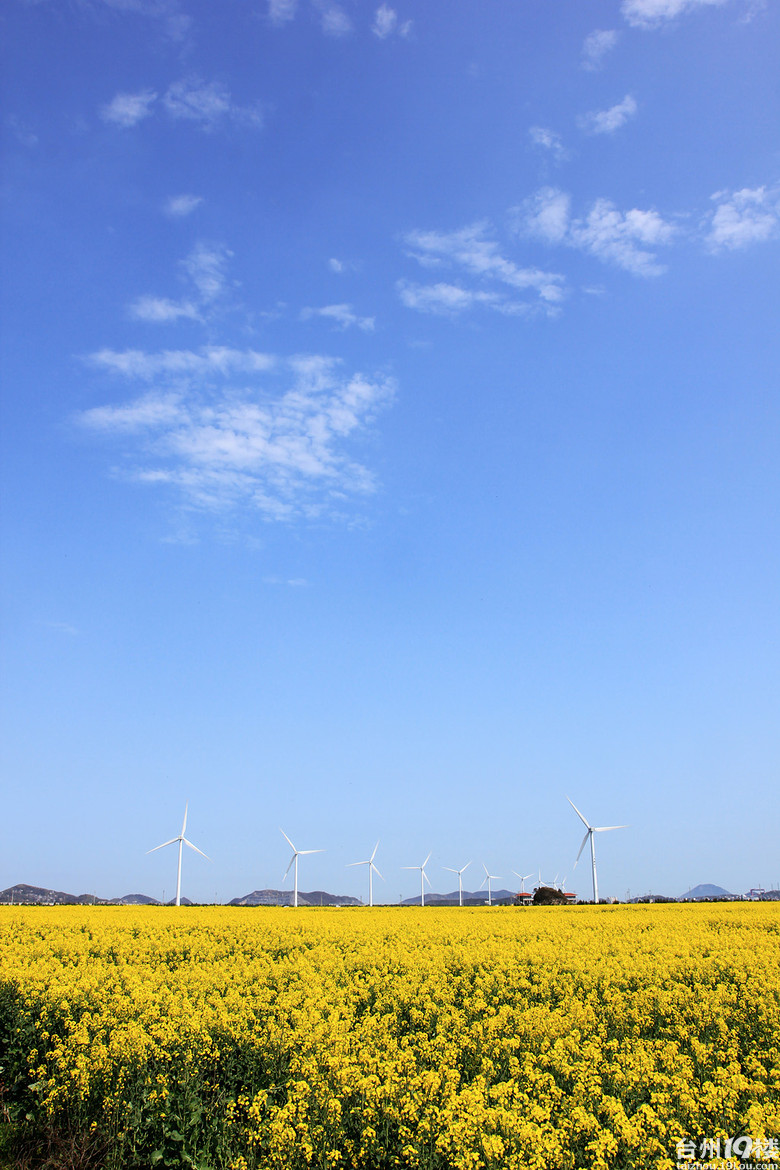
(285, 898)
(705, 891)
(134, 900)
(24, 895)
(470, 898)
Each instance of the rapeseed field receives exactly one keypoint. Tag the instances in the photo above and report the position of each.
(529, 1039)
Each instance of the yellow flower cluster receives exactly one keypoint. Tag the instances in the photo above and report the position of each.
(435, 1038)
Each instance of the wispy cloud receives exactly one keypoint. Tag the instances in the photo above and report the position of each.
(208, 104)
(449, 300)
(334, 20)
(205, 270)
(179, 206)
(128, 109)
(596, 46)
(343, 316)
(285, 454)
(617, 237)
(280, 11)
(161, 310)
(740, 218)
(549, 141)
(652, 13)
(608, 121)
(21, 131)
(386, 23)
(204, 363)
(471, 249)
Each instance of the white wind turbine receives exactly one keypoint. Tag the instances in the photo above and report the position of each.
(372, 869)
(182, 840)
(523, 879)
(294, 861)
(460, 873)
(423, 877)
(591, 829)
(488, 878)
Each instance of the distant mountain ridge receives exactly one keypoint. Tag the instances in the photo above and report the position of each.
(26, 895)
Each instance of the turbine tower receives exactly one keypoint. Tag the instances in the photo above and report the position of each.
(294, 861)
(460, 873)
(590, 830)
(181, 840)
(372, 869)
(423, 877)
(488, 878)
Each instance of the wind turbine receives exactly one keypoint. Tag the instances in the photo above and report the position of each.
(523, 879)
(591, 829)
(294, 861)
(488, 878)
(423, 877)
(460, 873)
(182, 840)
(372, 869)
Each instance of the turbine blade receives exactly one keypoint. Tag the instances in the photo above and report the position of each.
(426, 878)
(184, 822)
(427, 859)
(582, 846)
(579, 814)
(311, 850)
(172, 841)
(351, 863)
(373, 855)
(465, 867)
(289, 867)
(195, 847)
(450, 869)
(376, 871)
(287, 839)
(609, 828)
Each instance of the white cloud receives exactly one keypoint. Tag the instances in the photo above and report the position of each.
(21, 131)
(546, 215)
(548, 140)
(470, 249)
(284, 454)
(617, 237)
(444, 299)
(180, 205)
(342, 315)
(608, 121)
(205, 266)
(336, 265)
(280, 11)
(744, 217)
(335, 22)
(161, 309)
(596, 46)
(386, 23)
(153, 410)
(652, 13)
(207, 104)
(203, 363)
(128, 109)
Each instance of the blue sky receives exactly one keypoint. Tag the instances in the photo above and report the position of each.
(390, 440)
